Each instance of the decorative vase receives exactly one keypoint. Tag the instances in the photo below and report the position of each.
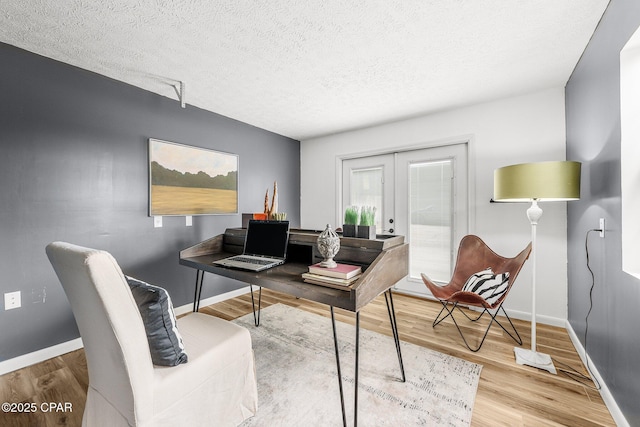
(328, 245)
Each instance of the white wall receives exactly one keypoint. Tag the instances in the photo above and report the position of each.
(515, 130)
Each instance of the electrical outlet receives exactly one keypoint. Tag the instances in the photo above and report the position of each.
(12, 300)
(601, 227)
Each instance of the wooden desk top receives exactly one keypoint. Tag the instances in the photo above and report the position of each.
(384, 262)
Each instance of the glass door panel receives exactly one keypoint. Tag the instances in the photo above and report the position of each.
(366, 190)
(430, 219)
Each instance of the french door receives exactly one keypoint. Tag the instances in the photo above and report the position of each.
(421, 194)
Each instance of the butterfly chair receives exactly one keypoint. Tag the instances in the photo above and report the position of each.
(482, 279)
(216, 386)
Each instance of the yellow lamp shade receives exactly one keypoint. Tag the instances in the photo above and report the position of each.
(543, 181)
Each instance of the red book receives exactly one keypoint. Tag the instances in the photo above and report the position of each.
(342, 271)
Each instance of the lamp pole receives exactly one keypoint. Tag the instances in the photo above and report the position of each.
(532, 357)
(533, 213)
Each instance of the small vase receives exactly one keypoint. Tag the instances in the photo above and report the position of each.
(328, 246)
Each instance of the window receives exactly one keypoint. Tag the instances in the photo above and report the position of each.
(630, 153)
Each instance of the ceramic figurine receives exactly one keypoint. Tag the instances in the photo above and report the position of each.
(328, 246)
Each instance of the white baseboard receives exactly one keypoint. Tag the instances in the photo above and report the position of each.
(546, 320)
(607, 397)
(39, 356)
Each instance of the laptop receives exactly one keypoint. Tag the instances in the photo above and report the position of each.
(265, 246)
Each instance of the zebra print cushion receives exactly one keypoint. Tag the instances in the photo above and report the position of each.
(488, 285)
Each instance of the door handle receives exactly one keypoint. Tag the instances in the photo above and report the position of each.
(390, 230)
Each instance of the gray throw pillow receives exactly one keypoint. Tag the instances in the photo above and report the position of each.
(159, 321)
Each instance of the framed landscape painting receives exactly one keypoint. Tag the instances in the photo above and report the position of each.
(186, 180)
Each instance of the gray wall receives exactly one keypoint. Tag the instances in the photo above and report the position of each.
(73, 167)
(593, 137)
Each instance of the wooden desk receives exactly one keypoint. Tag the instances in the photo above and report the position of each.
(384, 261)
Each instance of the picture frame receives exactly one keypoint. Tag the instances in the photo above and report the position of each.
(185, 180)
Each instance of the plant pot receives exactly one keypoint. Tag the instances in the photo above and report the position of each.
(349, 230)
(366, 232)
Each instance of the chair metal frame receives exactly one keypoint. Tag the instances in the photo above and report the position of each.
(445, 307)
(474, 255)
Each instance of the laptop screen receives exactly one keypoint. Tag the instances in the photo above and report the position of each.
(268, 238)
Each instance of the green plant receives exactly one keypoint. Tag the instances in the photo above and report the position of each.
(351, 215)
(368, 215)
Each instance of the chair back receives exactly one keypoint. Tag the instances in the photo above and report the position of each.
(474, 255)
(115, 342)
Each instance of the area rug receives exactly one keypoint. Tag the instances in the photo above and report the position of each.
(298, 385)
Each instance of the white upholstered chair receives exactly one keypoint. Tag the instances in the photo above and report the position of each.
(217, 386)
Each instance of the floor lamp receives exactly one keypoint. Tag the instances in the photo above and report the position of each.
(536, 182)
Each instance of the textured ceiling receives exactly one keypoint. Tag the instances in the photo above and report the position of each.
(309, 68)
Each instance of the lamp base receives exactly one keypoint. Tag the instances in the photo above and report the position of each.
(535, 359)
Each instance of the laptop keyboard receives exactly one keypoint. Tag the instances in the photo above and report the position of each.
(254, 260)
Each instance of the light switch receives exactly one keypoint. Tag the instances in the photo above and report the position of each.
(157, 221)
(189, 220)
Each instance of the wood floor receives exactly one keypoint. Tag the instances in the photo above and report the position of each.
(508, 394)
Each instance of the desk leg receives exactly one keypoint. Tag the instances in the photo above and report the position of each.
(198, 292)
(394, 328)
(256, 319)
(355, 385)
(355, 393)
(335, 343)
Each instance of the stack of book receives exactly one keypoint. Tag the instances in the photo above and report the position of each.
(342, 276)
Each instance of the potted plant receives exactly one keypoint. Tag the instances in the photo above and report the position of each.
(350, 221)
(367, 224)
